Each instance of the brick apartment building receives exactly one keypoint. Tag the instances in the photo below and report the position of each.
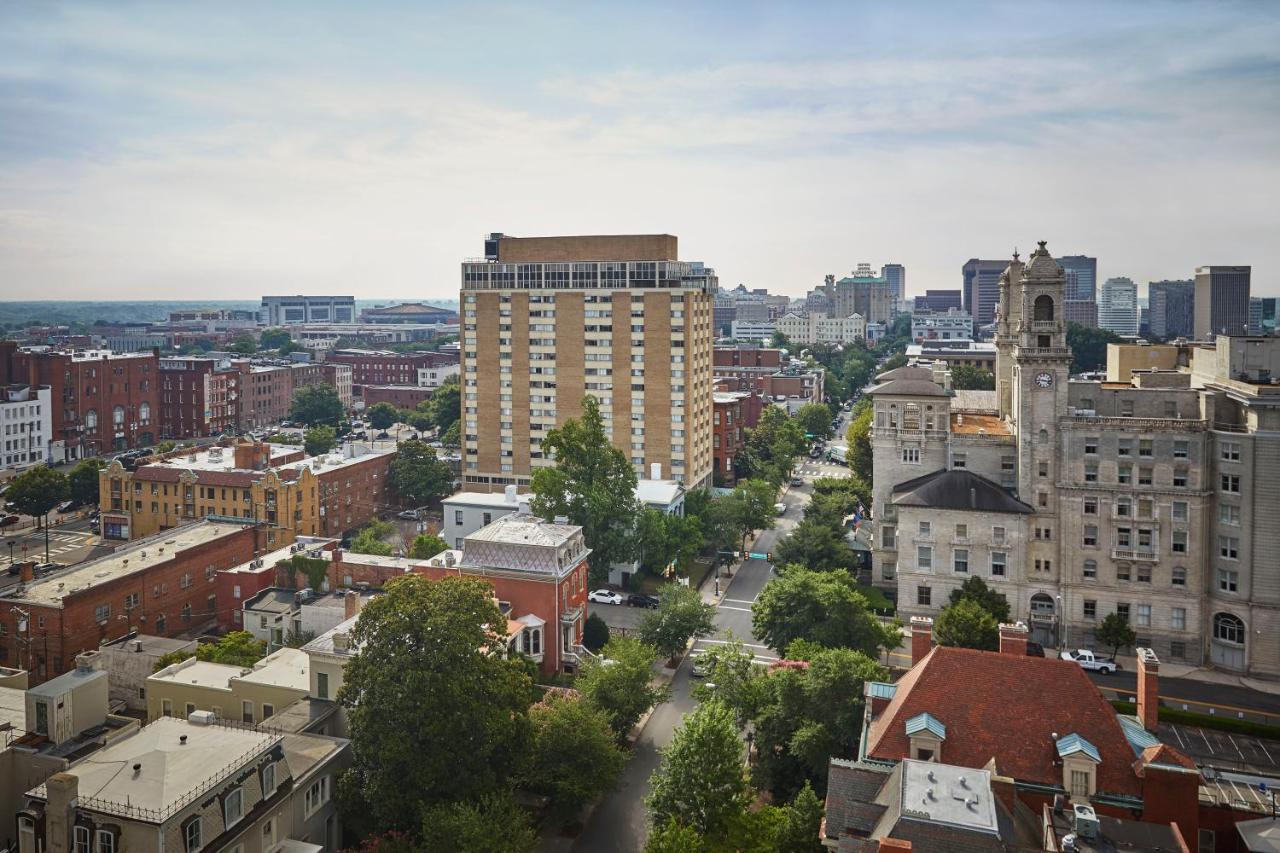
(295, 496)
(199, 397)
(266, 394)
(336, 376)
(101, 401)
(382, 367)
(400, 396)
(163, 585)
(765, 371)
(734, 412)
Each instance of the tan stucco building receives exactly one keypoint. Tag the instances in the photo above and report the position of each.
(242, 694)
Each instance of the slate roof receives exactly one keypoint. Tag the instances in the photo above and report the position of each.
(908, 371)
(957, 489)
(852, 789)
(909, 388)
(1007, 708)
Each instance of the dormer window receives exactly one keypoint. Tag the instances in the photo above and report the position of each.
(926, 734)
(1080, 760)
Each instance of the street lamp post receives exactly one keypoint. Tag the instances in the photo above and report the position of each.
(12, 543)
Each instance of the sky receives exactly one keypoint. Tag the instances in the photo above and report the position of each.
(228, 150)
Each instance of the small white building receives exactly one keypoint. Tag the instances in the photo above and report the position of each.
(816, 328)
(434, 377)
(26, 425)
(467, 512)
(951, 325)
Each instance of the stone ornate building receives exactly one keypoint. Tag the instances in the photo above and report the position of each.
(1077, 499)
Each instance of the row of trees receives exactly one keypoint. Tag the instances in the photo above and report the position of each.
(443, 729)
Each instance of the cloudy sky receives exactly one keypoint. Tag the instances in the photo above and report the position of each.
(226, 150)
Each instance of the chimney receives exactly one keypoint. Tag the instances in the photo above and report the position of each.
(655, 471)
(59, 816)
(27, 571)
(86, 661)
(350, 604)
(336, 555)
(510, 493)
(921, 638)
(1148, 689)
(1013, 639)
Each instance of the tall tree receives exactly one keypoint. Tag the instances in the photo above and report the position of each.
(445, 405)
(372, 538)
(823, 607)
(494, 823)
(316, 404)
(801, 829)
(418, 476)
(274, 338)
(575, 756)
(1115, 633)
(859, 436)
(681, 614)
(700, 782)
(818, 545)
(593, 484)
(621, 688)
(318, 440)
(815, 420)
(426, 545)
(976, 589)
(36, 493)
(243, 344)
(83, 480)
(966, 625)
(434, 715)
(383, 415)
(965, 377)
(1089, 346)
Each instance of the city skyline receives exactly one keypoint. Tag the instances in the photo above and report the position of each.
(167, 150)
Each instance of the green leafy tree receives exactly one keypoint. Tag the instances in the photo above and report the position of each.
(1089, 346)
(894, 363)
(824, 607)
(780, 341)
(595, 633)
(817, 544)
(494, 823)
(167, 445)
(622, 688)
(674, 837)
(967, 625)
(274, 338)
(434, 715)
(757, 500)
(859, 436)
(426, 545)
(771, 447)
(243, 344)
(318, 440)
(810, 715)
(699, 781)
(965, 377)
(418, 476)
(1116, 633)
(419, 419)
(801, 828)
(681, 614)
(372, 539)
(575, 757)
(815, 420)
(83, 480)
(445, 406)
(976, 589)
(236, 648)
(593, 484)
(36, 493)
(383, 416)
(316, 404)
(737, 680)
(452, 437)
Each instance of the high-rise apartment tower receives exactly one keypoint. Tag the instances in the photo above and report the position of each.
(1222, 301)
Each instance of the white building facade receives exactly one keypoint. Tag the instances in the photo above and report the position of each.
(1118, 306)
(26, 423)
(952, 325)
(817, 329)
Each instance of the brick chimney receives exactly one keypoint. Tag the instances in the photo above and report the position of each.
(1013, 639)
(1148, 689)
(59, 816)
(350, 604)
(27, 571)
(921, 638)
(251, 455)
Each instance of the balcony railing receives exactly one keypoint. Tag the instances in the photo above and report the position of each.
(1149, 555)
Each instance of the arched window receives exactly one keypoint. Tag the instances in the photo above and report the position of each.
(1044, 435)
(144, 412)
(1042, 604)
(91, 419)
(117, 416)
(537, 641)
(1043, 308)
(1228, 628)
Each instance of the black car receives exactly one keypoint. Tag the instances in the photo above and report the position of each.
(1035, 650)
(637, 599)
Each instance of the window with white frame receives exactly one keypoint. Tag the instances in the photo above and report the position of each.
(81, 839)
(1180, 511)
(911, 455)
(105, 841)
(924, 557)
(1144, 614)
(998, 563)
(925, 528)
(1230, 451)
(1178, 577)
(960, 560)
(233, 806)
(191, 835)
(316, 796)
(1178, 619)
(268, 779)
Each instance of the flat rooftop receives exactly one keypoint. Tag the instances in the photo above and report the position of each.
(147, 644)
(485, 499)
(324, 643)
(274, 599)
(948, 795)
(525, 530)
(217, 458)
(289, 668)
(173, 773)
(216, 676)
(658, 492)
(50, 590)
(309, 543)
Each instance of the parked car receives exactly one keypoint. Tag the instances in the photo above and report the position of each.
(700, 668)
(8, 521)
(815, 453)
(779, 509)
(637, 599)
(797, 481)
(408, 514)
(1088, 660)
(384, 434)
(66, 506)
(604, 596)
(1034, 649)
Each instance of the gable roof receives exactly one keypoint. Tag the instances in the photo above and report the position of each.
(925, 721)
(909, 388)
(1009, 708)
(957, 489)
(1073, 743)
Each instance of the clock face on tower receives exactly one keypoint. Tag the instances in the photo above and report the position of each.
(1044, 380)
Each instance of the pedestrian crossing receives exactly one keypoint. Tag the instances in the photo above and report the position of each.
(834, 472)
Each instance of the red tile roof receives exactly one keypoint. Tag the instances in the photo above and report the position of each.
(1162, 753)
(1008, 708)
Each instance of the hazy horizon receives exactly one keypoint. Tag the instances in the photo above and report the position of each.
(154, 151)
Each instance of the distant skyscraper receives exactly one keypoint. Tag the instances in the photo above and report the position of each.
(1118, 306)
(939, 301)
(1255, 315)
(1082, 312)
(1222, 301)
(896, 275)
(1082, 276)
(982, 290)
(1171, 306)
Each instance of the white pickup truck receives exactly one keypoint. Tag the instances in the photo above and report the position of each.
(1089, 660)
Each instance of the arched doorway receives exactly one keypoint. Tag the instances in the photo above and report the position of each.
(1043, 308)
(1044, 619)
(1227, 646)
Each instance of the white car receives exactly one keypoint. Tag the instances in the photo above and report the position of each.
(604, 596)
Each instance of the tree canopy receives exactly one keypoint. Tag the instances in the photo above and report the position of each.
(243, 344)
(383, 415)
(319, 439)
(814, 419)
(426, 545)
(593, 484)
(967, 625)
(622, 688)
(1116, 633)
(316, 404)
(37, 491)
(859, 436)
(823, 607)
(965, 377)
(434, 718)
(772, 446)
(1089, 346)
(976, 589)
(680, 615)
(372, 538)
(700, 782)
(418, 476)
(445, 406)
(82, 480)
(575, 755)
(274, 338)
(493, 823)
(817, 544)
(236, 648)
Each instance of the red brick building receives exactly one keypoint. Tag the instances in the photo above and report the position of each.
(733, 413)
(164, 585)
(102, 401)
(266, 394)
(199, 397)
(745, 366)
(400, 396)
(381, 367)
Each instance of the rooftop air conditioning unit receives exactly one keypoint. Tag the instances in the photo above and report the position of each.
(1086, 822)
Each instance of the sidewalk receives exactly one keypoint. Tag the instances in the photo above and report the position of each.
(1199, 673)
